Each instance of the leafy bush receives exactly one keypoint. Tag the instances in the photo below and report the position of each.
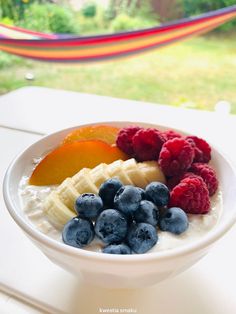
(49, 18)
(62, 20)
(93, 25)
(143, 10)
(125, 22)
(89, 9)
(7, 21)
(134, 8)
(7, 8)
(14, 9)
(201, 6)
(36, 17)
(110, 11)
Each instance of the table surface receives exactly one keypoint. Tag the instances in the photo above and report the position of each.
(30, 283)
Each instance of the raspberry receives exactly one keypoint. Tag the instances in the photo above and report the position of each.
(192, 195)
(173, 181)
(124, 139)
(208, 174)
(176, 156)
(202, 149)
(147, 144)
(170, 134)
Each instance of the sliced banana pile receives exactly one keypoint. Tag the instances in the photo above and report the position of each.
(59, 205)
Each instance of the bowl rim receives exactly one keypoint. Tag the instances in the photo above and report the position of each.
(212, 236)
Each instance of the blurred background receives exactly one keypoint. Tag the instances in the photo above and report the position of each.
(197, 73)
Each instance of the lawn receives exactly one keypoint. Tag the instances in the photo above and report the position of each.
(195, 74)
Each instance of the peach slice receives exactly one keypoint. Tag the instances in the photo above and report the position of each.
(67, 159)
(105, 133)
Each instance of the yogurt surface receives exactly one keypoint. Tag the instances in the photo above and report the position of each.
(32, 198)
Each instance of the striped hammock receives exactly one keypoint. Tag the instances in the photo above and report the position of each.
(61, 48)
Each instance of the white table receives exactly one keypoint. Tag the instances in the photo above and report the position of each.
(206, 288)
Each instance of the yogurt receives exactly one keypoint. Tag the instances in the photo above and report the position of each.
(32, 198)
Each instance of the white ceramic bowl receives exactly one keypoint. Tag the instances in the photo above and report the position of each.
(118, 271)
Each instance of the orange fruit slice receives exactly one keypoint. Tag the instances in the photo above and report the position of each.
(69, 158)
(104, 133)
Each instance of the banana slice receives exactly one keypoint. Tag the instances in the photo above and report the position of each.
(115, 170)
(59, 206)
(151, 171)
(99, 174)
(67, 193)
(83, 183)
(57, 212)
(131, 168)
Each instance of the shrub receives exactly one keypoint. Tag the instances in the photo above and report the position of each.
(110, 11)
(36, 17)
(7, 8)
(134, 8)
(93, 25)
(143, 10)
(125, 22)
(49, 18)
(14, 9)
(89, 9)
(7, 21)
(62, 20)
(201, 6)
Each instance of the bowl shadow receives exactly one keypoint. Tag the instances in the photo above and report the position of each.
(183, 294)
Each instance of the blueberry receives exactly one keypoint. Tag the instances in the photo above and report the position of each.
(158, 193)
(127, 199)
(142, 237)
(147, 212)
(174, 220)
(143, 194)
(129, 218)
(88, 205)
(111, 226)
(108, 191)
(117, 249)
(78, 232)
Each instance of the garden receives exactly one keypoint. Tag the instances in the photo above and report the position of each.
(193, 74)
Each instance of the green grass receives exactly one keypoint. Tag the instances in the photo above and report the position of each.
(196, 74)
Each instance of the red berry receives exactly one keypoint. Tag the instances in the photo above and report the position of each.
(173, 181)
(192, 195)
(176, 156)
(170, 134)
(202, 149)
(147, 144)
(208, 174)
(125, 137)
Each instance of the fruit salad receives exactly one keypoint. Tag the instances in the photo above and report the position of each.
(128, 190)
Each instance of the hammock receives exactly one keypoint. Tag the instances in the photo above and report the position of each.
(61, 48)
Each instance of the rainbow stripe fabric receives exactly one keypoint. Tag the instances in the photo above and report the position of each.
(57, 48)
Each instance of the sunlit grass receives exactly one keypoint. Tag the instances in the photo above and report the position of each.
(195, 74)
